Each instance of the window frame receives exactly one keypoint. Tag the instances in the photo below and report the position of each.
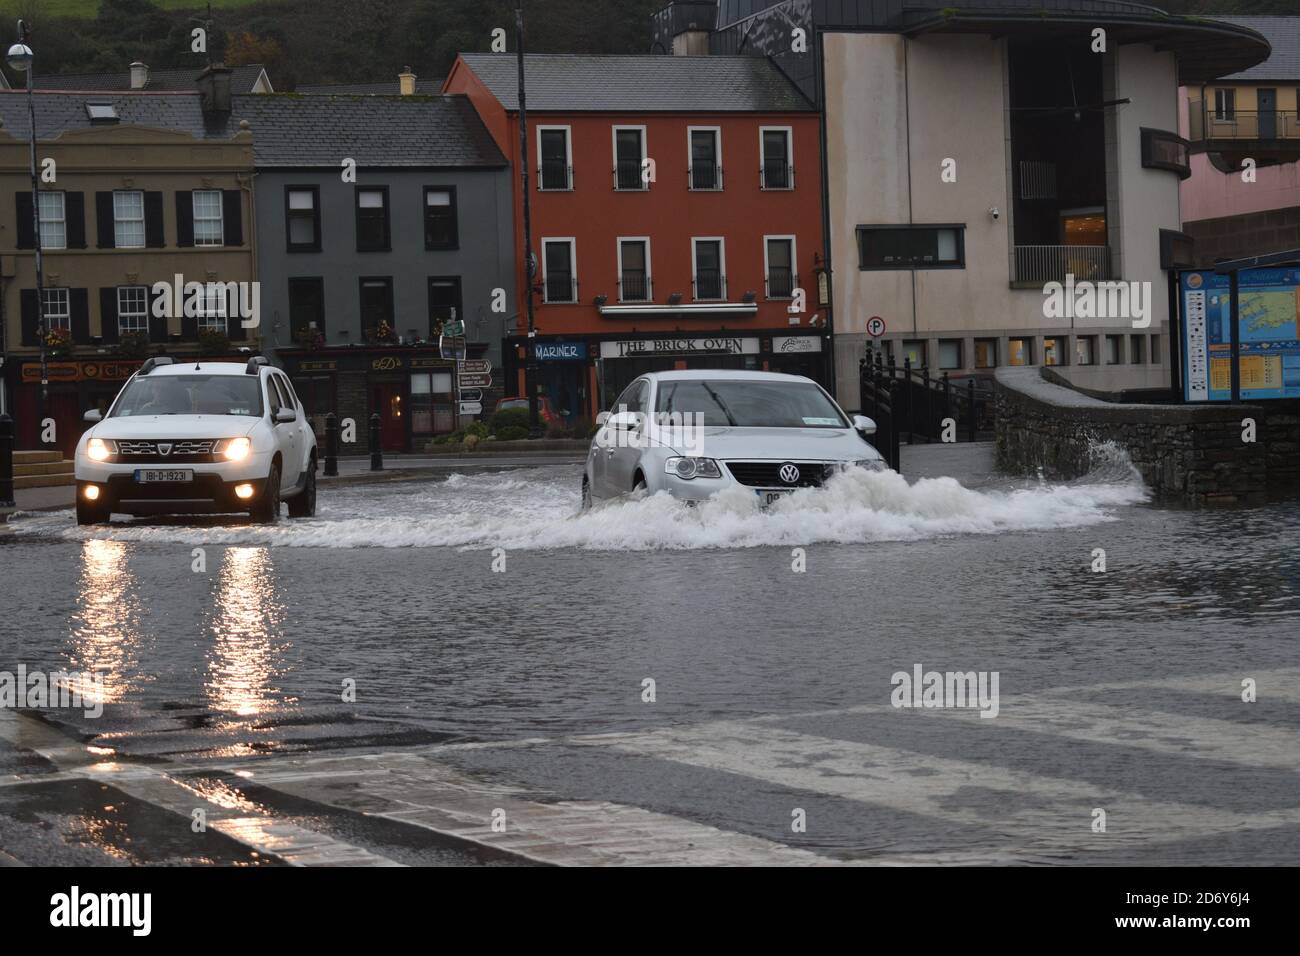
(642, 186)
(298, 282)
(50, 314)
(220, 220)
(794, 268)
(387, 244)
(568, 158)
(572, 243)
(119, 221)
(1150, 137)
(289, 216)
(649, 273)
(789, 158)
(204, 317)
(454, 206)
(385, 282)
(144, 314)
(1225, 104)
(61, 222)
(722, 267)
(717, 162)
(958, 227)
(961, 348)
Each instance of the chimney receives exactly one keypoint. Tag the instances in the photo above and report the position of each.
(214, 89)
(684, 26)
(406, 82)
(139, 75)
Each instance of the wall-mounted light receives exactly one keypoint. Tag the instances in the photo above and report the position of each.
(823, 275)
(675, 298)
(601, 300)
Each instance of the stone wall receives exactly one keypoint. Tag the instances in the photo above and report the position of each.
(1249, 234)
(1193, 453)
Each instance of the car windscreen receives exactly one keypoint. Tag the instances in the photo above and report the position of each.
(750, 404)
(195, 394)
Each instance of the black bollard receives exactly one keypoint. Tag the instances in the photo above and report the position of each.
(331, 445)
(376, 455)
(6, 462)
(970, 409)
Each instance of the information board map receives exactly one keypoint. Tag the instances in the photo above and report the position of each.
(1268, 310)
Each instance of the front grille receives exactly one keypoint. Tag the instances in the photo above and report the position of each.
(767, 474)
(182, 451)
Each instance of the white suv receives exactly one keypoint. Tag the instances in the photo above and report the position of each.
(205, 437)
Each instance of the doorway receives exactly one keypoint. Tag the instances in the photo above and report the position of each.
(389, 400)
(1267, 104)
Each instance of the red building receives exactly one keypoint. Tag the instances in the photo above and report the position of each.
(676, 217)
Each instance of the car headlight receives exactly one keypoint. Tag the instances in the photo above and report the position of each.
(871, 464)
(234, 449)
(97, 449)
(689, 468)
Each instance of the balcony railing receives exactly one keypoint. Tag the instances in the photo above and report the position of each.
(1206, 123)
(776, 174)
(1041, 264)
(554, 175)
(627, 175)
(709, 284)
(781, 282)
(634, 286)
(706, 175)
(561, 287)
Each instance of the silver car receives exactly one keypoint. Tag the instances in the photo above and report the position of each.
(693, 433)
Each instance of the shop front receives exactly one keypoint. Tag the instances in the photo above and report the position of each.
(75, 386)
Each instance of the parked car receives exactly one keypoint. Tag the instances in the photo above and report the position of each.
(546, 412)
(209, 437)
(693, 433)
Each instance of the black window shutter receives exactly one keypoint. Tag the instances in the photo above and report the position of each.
(75, 214)
(108, 314)
(23, 211)
(235, 324)
(232, 205)
(104, 220)
(79, 310)
(189, 327)
(30, 320)
(157, 326)
(153, 221)
(184, 218)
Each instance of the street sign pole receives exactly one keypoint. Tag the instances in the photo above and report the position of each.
(530, 358)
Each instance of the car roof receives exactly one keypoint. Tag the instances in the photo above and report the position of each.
(204, 368)
(720, 374)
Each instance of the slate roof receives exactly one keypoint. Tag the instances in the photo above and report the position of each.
(635, 84)
(242, 79)
(58, 112)
(300, 131)
(429, 87)
(1284, 34)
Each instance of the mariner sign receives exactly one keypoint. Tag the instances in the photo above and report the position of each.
(707, 345)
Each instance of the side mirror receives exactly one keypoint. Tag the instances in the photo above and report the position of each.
(625, 421)
(285, 415)
(864, 424)
(92, 415)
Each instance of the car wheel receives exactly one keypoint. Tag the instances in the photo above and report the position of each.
(267, 508)
(639, 485)
(586, 495)
(90, 514)
(304, 505)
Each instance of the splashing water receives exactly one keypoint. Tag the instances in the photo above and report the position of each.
(537, 509)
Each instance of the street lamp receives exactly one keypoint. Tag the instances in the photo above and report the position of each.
(20, 59)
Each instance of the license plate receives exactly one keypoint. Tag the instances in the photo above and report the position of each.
(149, 475)
(767, 497)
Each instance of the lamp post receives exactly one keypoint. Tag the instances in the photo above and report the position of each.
(20, 59)
(530, 262)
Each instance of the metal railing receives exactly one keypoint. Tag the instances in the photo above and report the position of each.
(705, 175)
(781, 282)
(561, 287)
(776, 174)
(628, 175)
(1054, 263)
(1204, 122)
(554, 175)
(709, 284)
(906, 401)
(634, 286)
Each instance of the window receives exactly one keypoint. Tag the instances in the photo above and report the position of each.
(101, 112)
(911, 247)
(1020, 351)
(950, 354)
(132, 309)
(302, 212)
(208, 227)
(212, 308)
(779, 265)
(1163, 150)
(1155, 350)
(559, 270)
(1225, 105)
(1137, 349)
(128, 219)
(444, 303)
(986, 353)
(432, 403)
(58, 313)
(1114, 345)
(778, 158)
(440, 226)
(372, 220)
(54, 227)
(1085, 350)
(556, 163)
(710, 269)
(376, 305)
(634, 270)
(306, 308)
(914, 353)
(629, 155)
(705, 158)
(1054, 351)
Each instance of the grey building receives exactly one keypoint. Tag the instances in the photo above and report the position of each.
(378, 219)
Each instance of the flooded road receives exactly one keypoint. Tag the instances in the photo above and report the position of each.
(482, 617)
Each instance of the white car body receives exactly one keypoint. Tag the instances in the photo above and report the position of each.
(167, 447)
(637, 449)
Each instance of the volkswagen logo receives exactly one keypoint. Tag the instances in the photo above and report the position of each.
(789, 473)
(164, 448)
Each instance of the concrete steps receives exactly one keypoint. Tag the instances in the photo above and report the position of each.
(41, 469)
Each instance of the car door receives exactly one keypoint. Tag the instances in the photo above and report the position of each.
(603, 448)
(625, 450)
(286, 433)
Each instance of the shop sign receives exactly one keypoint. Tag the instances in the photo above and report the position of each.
(318, 366)
(561, 351)
(112, 371)
(790, 344)
(386, 363)
(704, 345)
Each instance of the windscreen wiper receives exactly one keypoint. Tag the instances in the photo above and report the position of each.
(720, 403)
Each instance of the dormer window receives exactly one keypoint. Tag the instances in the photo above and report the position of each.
(101, 112)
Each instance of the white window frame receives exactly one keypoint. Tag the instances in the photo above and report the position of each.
(119, 220)
(573, 270)
(1225, 104)
(568, 158)
(690, 157)
(649, 270)
(144, 315)
(61, 221)
(212, 319)
(642, 186)
(221, 218)
(57, 317)
(722, 267)
(794, 268)
(789, 158)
